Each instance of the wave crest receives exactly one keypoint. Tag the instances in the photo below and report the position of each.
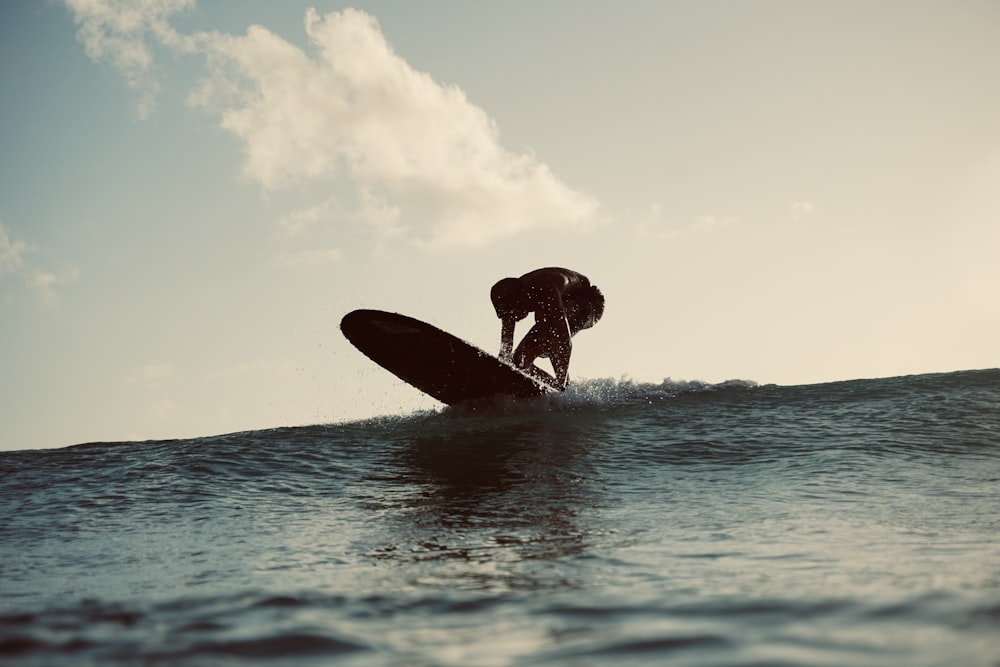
(625, 390)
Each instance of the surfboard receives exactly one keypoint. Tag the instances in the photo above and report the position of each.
(434, 361)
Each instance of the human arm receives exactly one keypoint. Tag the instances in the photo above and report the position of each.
(506, 338)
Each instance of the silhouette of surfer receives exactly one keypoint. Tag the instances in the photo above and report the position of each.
(564, 303)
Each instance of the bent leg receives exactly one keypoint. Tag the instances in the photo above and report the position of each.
(537, 343)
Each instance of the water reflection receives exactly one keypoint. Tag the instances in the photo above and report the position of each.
(491, 505)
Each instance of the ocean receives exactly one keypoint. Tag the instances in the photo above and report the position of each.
(851, 523)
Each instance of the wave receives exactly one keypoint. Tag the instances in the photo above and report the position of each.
(393, 629)
(601, 393)
(621, 521)
(937, 411)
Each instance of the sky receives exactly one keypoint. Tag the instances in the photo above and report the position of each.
(192, 194)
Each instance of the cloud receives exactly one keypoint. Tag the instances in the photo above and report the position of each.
(11, 253)
(120, 33)
(298, 222)
(15, 266)
(800, 210)
(427, 164)
(709, 224)
(380, 214)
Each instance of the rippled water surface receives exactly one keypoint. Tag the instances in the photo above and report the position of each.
(852, 523)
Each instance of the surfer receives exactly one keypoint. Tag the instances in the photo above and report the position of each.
(563, 301)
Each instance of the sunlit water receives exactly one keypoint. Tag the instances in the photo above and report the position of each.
(852, 523)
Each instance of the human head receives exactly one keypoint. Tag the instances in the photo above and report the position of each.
(510, 299)
(584, 308)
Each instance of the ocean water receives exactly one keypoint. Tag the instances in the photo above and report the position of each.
(852, 523)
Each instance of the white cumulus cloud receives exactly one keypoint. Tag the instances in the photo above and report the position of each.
(121, 33)
(427, 164)
(356, 108)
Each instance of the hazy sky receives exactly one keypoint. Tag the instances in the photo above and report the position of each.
(193, 193)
